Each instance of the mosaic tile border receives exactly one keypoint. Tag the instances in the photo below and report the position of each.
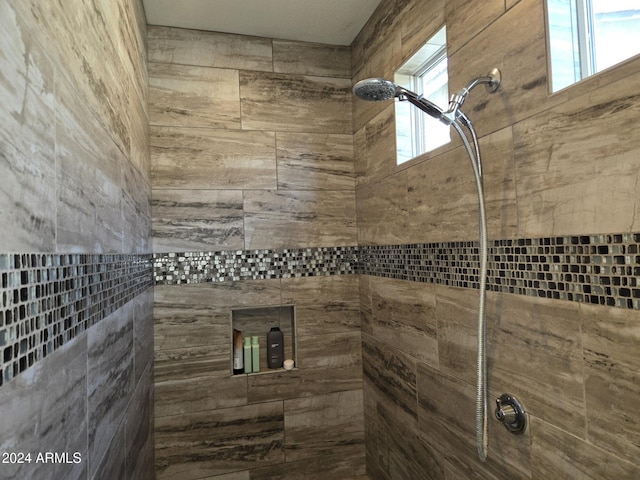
(234, 265)
(602, 269)
(594, 269)
(49, 299)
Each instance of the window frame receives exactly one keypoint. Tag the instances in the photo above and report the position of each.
(411, 75)
(578, 45)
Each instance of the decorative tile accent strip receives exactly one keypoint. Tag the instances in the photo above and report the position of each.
(49, 299)
(196, 267)
(595, 269)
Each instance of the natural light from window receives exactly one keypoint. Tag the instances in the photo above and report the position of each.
(588, 36)
(424, 73)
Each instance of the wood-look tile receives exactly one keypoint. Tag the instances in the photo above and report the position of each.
(103, 69)
(63, 387)
(383, 24)
(188, 96)
(136, 209)
(386, 59)
(128, 24)
(86, 53)
(197, 220)
(236, 439)
(442, 202)
(140, 155)
(520, 55)
(89, 209)
(196, 379)
(324, 425)
(557, 454)
(295, 103)
(142, 333)
(335, 467)
(109, 379)
(198, 158)
(139, 429)
(393, 372)
(243, 475)
(573, 178)
(285, 219)
(447, 422)
(27, 142)
(311, 59)
(395, 447)
(534, 352)
(360, 154)
(303, 382)
(209, 49)
(333, 350)
(200, 314)
(113, 463)
(382, 211)
(325, 304)
(366, 304)
(191, 362)
(404, 315)
(314, 161)
(380, 150)
(611, 341)
(457, 315)
(326, 363)
(420, 23)
(128, 39)
(465, 20)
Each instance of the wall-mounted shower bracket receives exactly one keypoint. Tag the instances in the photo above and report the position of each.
(495, 79)
(510, 413)
(492, 82)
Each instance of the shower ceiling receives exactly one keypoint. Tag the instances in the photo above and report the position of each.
(335, 22)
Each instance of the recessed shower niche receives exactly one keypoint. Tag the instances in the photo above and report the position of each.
(251, 328)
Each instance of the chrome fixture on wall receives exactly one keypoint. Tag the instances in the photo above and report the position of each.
(379, 89)
(510, 413)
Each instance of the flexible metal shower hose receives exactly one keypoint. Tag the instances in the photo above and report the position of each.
(482, 441)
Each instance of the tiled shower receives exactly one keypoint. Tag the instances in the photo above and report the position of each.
(265, 183)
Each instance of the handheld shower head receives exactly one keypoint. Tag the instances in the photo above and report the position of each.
(375, 90)
(379, 90)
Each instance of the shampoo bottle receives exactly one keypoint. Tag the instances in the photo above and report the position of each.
(247, 355)
(275, 348)
(255, 354)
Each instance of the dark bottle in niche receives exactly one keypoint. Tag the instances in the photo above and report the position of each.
(275, 348)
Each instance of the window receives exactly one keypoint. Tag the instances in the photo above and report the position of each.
(588, 36)
(424, 73)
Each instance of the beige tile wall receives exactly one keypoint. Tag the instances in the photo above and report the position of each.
(75, 169)
(567, 163)
(266, 123)
(209, 423)
(252, 148)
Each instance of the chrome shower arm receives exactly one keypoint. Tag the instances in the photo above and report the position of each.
(491, 80)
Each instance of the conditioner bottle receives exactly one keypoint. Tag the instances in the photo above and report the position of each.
(247, 355)
(255, 354)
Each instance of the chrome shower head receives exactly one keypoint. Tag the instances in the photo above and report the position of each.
(375, 90)
(379, 90)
